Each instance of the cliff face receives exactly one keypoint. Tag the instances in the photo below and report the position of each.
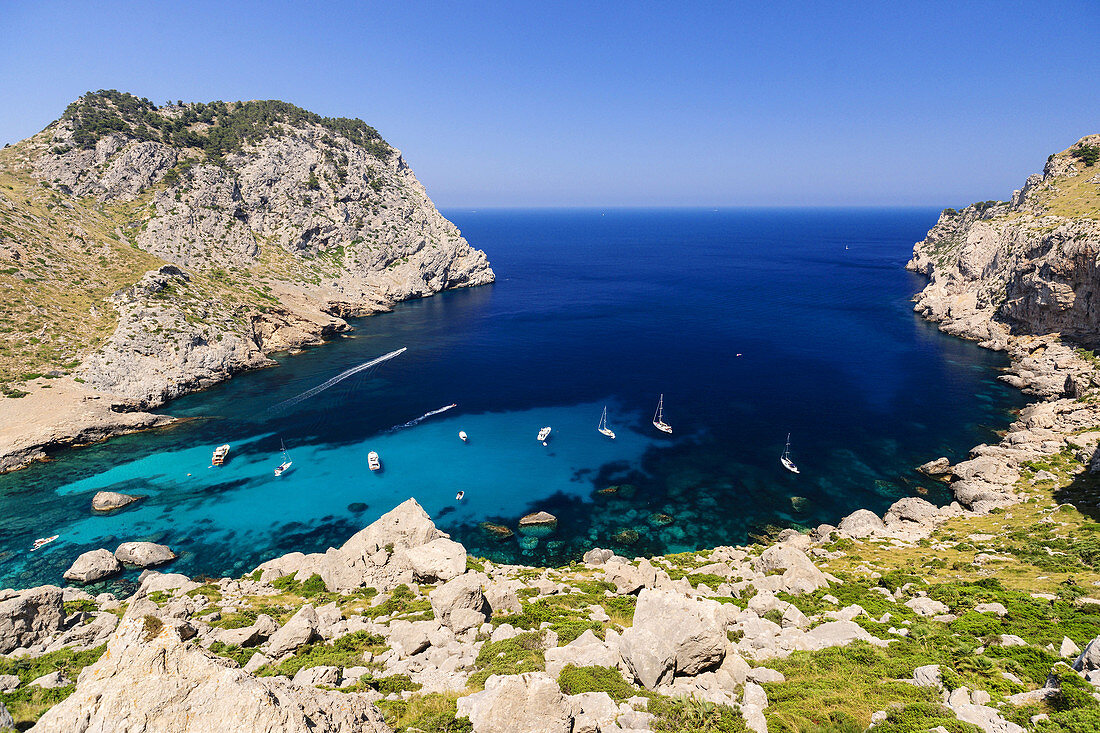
(1028, 266)
(244, 228)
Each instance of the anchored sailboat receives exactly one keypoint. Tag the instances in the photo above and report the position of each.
(285, 465)
(785, 459)
(602, 428)
(543, 435)
(659, 417)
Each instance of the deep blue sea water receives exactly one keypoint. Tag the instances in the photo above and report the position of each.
(752, 323)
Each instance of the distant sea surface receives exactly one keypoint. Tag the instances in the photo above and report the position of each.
(753, 324)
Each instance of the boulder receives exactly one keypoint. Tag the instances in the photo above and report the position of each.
(300, 629)
(437, 561)
(538, 519)
(936, 468)
(593, 712)
(927, 607)
(800, 575)
(587, 650)
(144, 554)
(8, 682)
(108, 501)
(1068, 648)
(912, 509)
(412, 637)
(262, 628)
(838, 633)
(30, 616)
(502, 598)
(597, 556)
(862, 523)
(460, 603)
(150, 681)
(311, 676)
(927, 676)
(1088, 660)
(92, 566)
(996, 608)
(672, 634)
(6, 721)
(51, 680)
(523, 703)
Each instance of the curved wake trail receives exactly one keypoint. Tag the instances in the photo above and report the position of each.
(421, 419)
(337, 379)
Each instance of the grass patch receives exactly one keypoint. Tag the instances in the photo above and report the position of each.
(575, 680)
(437, 712)
(27, 704)
(347, 651)
(521, 653)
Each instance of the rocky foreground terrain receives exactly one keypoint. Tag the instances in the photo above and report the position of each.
(147, 251)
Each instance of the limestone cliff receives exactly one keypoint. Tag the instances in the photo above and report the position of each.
(148, 251)
(1028, 266)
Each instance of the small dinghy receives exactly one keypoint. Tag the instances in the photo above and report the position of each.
(659, 417)
(463, 436)
(219, 454)
(286, 464)
(459, 495)
(602, 427)
(785, 459)
(43, 541)
(373, 462)
(544, 434)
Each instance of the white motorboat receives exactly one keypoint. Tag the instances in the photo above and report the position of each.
(373, 462)
(659, 417)
(602, 427)
(785, 459)
(463, 436)
(219, 454)
(286, 464)
(544, 434)
(42, 541)
(459, 495)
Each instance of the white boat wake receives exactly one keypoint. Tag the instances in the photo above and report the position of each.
(337, 379)
(421, 419)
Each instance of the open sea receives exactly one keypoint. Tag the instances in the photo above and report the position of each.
(753, 323)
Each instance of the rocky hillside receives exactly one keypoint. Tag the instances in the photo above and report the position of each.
(1024, 266)
(149, 251)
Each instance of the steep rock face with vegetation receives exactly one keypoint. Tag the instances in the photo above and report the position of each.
(1030, 265)
(147, 251)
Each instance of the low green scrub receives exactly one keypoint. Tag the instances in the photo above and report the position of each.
(921, 717)
(435, 712)
(691, 715)
(347, 651)
(521, 653)
(83, 605)
(567, 616)
(402, 601)
(240, 655)
(385, 685)
(575, 680)
(27, 704)
(711, 580)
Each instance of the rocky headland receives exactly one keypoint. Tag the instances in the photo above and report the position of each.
(146, 252)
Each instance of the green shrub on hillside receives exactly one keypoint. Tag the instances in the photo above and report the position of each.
(575, 680)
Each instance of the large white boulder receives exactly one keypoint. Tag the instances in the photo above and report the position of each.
(300, 629)
(587, 650)
(92, 566)
(522, 703)
(437, 561)
(29, 616)
(672, 634)
(460, 603)
(800, 575)
(144, 554)
(861, 524)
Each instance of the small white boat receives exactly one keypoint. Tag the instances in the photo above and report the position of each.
(219, 454)
(286, 464)
(463, 436)
(459, 495)
(785, 459)
(659, 417)
(544, 434)
(42, 541)
(373, 462)
(602, 427)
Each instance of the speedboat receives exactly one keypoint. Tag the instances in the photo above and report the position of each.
(463, 436)
(659, 417)
(544, 434)
(41, 541)
(373, 462)
(219, 454)
(785, 459)
(459, 495)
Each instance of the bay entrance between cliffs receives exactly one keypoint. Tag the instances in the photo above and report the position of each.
(590, 308)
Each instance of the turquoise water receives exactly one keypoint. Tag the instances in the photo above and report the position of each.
(753, 323)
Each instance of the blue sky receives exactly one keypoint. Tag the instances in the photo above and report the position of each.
(601, 104)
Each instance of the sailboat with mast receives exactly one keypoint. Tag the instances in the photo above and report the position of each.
(602, 428)
(659, 417)
(785, 459)
(286, 464)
